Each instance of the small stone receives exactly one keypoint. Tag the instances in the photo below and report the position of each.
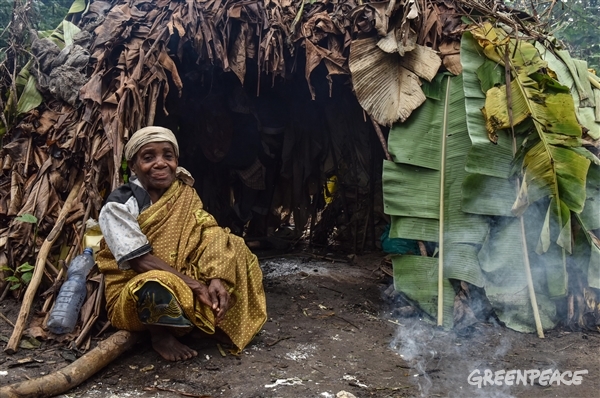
(344, 394)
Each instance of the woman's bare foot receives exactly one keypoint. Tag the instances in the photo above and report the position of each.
(168, 346)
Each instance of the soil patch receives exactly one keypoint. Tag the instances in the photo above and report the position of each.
(330, 329)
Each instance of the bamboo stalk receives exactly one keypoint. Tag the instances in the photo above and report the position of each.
(440, 309)
(536, 312)
(75, 373)
(530, 288)
(13, 342)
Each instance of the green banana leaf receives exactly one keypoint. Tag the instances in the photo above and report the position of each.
(502, 257)
(588, 253)
(63, 35)
(568, 75)
(26, 98)
(489, 164)
(551, 168)
(30, 98)
(78, 6)
(590, 216)
(422, 192)
(553, 162)
(417, 277)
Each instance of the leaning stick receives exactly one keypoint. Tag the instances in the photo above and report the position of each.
(381, 138)
(75, 373)
(440, 300)
(38, 271)
(532, 298)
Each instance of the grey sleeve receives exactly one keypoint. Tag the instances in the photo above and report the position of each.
(122, 233)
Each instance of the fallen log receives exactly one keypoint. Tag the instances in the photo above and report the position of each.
(75, 373)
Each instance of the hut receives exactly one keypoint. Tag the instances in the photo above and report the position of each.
(462, 123)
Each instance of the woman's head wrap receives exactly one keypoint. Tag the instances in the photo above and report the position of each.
(146, 135)
(150, 134)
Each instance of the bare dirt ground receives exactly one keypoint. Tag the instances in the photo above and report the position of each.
(331, 330)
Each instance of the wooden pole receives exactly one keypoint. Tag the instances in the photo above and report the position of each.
(75, 373)
(38, 271)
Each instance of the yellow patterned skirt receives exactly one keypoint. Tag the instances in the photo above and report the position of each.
(188, 238)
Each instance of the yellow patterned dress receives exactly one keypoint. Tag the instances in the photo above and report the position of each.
(186, 237)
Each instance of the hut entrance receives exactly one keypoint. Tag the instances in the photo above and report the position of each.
(273, 164)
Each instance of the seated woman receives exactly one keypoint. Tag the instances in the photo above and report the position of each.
(168, 267)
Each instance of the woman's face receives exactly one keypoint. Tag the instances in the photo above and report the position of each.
(155, 165)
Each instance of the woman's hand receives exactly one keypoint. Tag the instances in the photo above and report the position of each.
(200, 290)
(214, 295)
(220, 299)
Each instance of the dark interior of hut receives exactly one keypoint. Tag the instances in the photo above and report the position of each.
(275, 165)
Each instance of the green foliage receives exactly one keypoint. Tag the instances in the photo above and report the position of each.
(28, 218)
(50, 13)
(20, 276)
(45, 15)
(575, 22)
(23, 273)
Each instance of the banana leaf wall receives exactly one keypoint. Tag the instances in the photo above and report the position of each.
(500, 184)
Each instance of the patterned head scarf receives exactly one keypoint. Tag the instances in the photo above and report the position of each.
(147, 135)
(150, 134)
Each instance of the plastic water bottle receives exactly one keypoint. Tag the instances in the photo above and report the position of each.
(72, 294)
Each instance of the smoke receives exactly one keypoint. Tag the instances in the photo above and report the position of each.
(440, 361)
(411, 343)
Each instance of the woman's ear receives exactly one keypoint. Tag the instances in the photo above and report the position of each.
(130, 164)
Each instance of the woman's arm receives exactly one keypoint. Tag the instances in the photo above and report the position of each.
(215, 295)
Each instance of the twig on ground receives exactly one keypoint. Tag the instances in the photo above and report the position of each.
(320, 257)
(385, 271)
(185, 394)
(7, 320)
(562, 349)
(328, 288)
(344, 319)
(221, 350)
(278, 340)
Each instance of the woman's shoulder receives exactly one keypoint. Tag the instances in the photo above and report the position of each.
(125, 192)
